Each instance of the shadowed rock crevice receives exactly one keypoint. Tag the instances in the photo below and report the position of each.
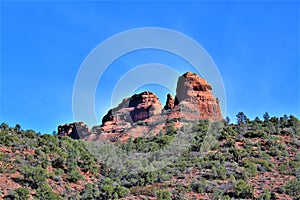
(74, 130)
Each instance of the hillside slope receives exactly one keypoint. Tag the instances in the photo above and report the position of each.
(256, 159)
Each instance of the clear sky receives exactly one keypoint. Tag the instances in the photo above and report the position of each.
(255, 46)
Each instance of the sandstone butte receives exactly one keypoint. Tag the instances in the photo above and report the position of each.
(143, 115)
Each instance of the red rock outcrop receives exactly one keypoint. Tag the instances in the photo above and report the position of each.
(136, 108)
(131, 115)
(194, 95)
(170, 102)
(145, 105)
(141, 114)
(74, 130)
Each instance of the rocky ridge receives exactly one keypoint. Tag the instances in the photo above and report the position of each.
(143, 115)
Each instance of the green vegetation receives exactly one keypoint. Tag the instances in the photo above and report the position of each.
(19, 194)
(223, 160)
(292, 188)
(39, 158)
(243, 190)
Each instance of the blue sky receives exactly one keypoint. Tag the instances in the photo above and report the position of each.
(254, 44)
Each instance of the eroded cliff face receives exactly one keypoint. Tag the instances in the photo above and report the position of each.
(194, 95)
(136, 108)
(129, 119)
(76, 130)
(142, 114)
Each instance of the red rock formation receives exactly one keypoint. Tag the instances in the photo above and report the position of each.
(194, 95)
(74, 130)
(145, 104)
(136, 108)
(170, 102)
(142, 113)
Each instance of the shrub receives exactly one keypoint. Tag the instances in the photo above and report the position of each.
(45, 192)
(33, 175)
(238, 154)
(274, 151)
(162, 194)
(58, 162)
(243, 190)
(41, 159)
(86, 162)
(199, 187)
(264, 164)
(111, 189)
(74, 176)
(170, 128)
(18, 194)
(8, 139)
(250, 168)
(292, 188)
(90, 192)
(254, 134)
(266, 195)
(217, 194)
